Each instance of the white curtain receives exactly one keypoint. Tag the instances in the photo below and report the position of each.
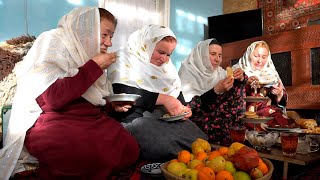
(133, 14)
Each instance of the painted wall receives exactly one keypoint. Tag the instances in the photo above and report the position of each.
(41, 15)
(188, 20)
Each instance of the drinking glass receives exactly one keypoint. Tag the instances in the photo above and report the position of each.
(238, 134)
(289, 143)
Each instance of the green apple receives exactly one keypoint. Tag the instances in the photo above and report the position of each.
(229, 167)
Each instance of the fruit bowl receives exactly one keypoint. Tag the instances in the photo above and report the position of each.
(262, 140)
(170, 176)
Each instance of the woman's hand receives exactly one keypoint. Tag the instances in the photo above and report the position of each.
(238, 74)
(121, 106)
(252, 78)
(278, 91)
(223, 85)
(187, 110)
(171, 104)
(104, 60)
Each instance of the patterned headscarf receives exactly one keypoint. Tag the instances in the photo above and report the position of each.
(55, 54)
(267, 73)
(196, 72)
(133, 66)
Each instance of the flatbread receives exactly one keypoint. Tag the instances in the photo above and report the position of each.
(229, 72)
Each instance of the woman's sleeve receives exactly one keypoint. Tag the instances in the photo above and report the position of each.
(64, 90)
(147, 101)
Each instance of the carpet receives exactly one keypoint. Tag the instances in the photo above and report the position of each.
(284, 15)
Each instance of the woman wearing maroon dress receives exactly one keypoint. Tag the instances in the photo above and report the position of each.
(257, 64)
(59, 111)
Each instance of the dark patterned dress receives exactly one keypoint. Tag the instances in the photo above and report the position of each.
(215, 113)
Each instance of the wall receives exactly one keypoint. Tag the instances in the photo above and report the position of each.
(42, 15)
(188, 20)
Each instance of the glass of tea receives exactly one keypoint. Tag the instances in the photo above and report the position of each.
(289, 143)
(238, 134)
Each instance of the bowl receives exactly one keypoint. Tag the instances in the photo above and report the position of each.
(262, 140)
(169, 176)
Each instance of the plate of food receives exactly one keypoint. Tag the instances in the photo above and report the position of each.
(259, 119)
(122, 97)
(167, 117)
(151, 168)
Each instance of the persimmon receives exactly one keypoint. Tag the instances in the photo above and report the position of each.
(184, 156)
(223, 150)
(263, 167)
(206, 173)
(201, 156)
(213, 154)
(224, 175)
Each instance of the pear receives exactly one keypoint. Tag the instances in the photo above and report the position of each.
(217, 164)
(241, 175)
(193, 163)
(191, 175)
(229, 167)
(177, 168)
(256, 173)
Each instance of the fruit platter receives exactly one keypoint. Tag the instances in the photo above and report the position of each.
(237, 161)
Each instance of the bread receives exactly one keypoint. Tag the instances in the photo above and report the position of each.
(293, 115)
(229, 72)
(250, 114)
(306, 123)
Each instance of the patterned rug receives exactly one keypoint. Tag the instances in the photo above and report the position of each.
(284, 15)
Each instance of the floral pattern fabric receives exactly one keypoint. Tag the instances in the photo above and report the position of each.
(215, 114)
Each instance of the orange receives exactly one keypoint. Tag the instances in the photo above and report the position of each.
(224, 175)
(206, 173)
(263, 167)
(201, 156)
(213, 154)
(184, 156)
(199, 166)
(223, 150)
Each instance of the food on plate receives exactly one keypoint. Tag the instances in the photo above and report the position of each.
(250, 114)
(306, 123)
(229, 72)
(293, 115)
(316, 130)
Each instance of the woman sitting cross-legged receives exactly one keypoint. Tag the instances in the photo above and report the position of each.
(144, 67)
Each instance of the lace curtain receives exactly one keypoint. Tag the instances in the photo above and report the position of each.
(133, 14)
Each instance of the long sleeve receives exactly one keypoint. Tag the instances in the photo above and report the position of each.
(65, 90)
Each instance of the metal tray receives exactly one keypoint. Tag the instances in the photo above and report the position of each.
(174, 118)
(122, 97)
(255, 99)
(255, 120)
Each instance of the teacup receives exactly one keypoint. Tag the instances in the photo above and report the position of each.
(306, 145)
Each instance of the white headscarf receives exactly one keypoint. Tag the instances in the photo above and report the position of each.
(55, 54)
(133, 67)
(196, 72)
(267, 73)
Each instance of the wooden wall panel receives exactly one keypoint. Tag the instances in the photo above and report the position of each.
(232, 6)
(302, 94)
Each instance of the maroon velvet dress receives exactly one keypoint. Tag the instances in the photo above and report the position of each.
(74, 139)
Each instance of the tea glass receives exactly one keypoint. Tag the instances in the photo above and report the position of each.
(289, 143)
(238, 134)
(306, 145)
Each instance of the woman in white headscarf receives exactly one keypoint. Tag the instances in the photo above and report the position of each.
(59, 115)
(257, 65)
(144, 67)
(215, 98)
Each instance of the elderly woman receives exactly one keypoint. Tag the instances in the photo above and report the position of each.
(258, 66)
(144, 67)
(59, 115)
(215, 99)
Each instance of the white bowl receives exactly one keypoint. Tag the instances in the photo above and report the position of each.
(262, 140)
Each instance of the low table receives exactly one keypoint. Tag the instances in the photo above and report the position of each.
(276, 154)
